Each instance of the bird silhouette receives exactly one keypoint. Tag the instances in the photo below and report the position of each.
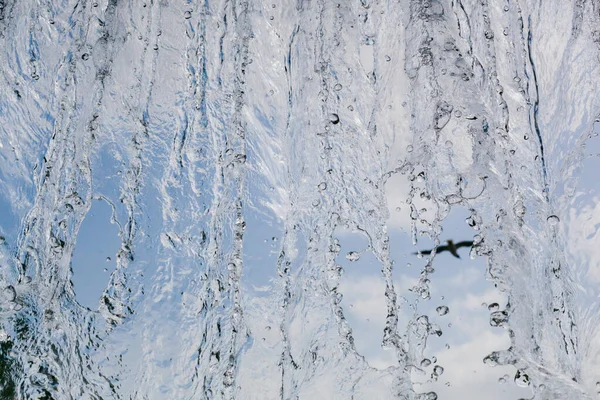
(451, 247)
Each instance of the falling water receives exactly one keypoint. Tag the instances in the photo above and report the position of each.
(229, 160)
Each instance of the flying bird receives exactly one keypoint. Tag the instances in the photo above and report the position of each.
(451, 247)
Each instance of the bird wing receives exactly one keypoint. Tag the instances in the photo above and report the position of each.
(439, 250)
(443, 248)
(466, 243)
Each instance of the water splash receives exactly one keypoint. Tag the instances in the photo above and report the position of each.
(210, 126)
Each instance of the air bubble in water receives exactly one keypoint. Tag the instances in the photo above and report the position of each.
(553, 220)
(322, 186)
(334, 118)
(426, 362)
(187, 14)
(437, 370)
(337, 87)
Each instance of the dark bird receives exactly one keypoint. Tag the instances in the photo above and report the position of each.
(451, 247)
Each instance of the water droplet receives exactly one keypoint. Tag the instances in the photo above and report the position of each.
(409, 148)
(322, 186)
(337, 87)
(108, 259)
(388, 58)
(521, 378)
(353, 256)
(426, 362)
(553, 220)
(271, 18)
(442, 310)
(187, 14)
(437, 370)
(434, 359)
(525, 137)
(334, 119)
(85, 56)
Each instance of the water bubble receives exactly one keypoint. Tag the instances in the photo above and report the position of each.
(494, 307)
(334, 119)
(506, 8)
(426, 362)
(108, 259)
(434, 359)
(337, 87)
(353, 256)
(388, 58)
(442, 310)
(448, 143)
(521, 378)
(553, 220)
(322, 186)
(437, 370)
(187, 15)
(271, 18)
(526, 137)
(409, 148)
(505, 31)
(350, 108)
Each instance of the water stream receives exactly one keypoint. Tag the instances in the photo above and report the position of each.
(221, 199)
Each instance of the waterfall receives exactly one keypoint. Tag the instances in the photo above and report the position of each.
(221, 199)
